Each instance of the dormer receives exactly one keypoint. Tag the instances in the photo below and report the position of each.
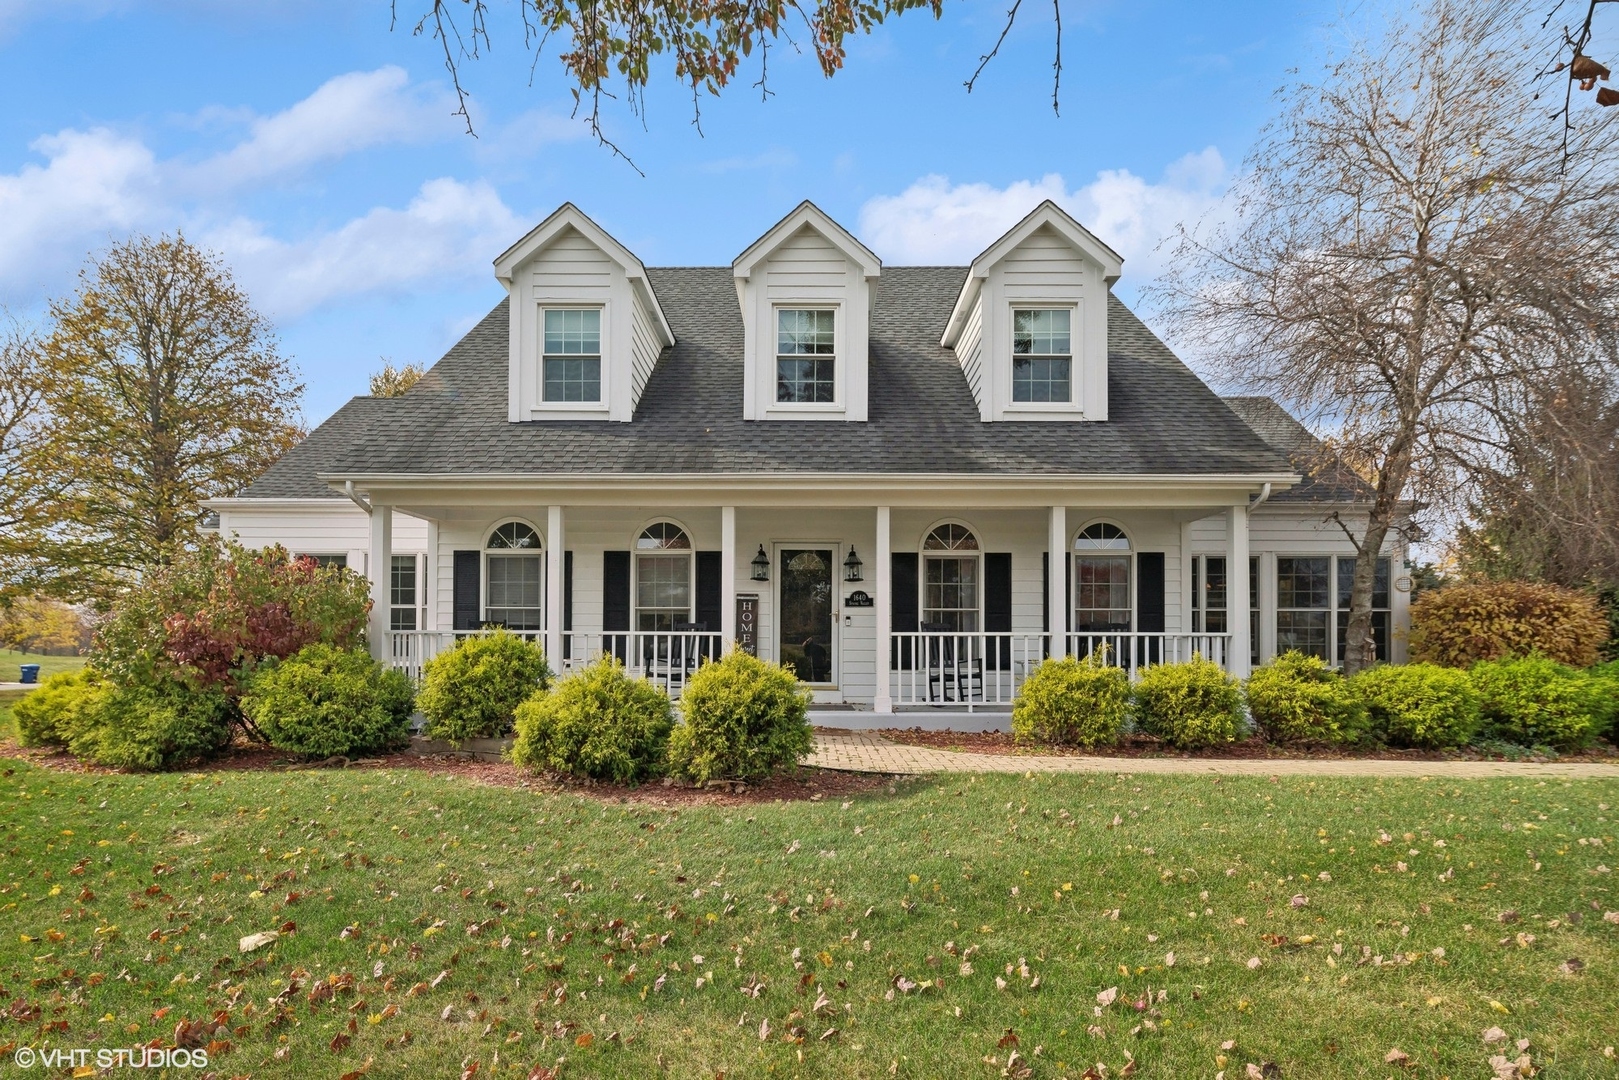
(1030, 324)
(806, 289)
(586, 328)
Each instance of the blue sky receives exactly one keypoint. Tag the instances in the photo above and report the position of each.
(315, 151)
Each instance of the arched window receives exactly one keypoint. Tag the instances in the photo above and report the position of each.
(950, 576)
(515, 573)
(1101, 579)
(663, 574)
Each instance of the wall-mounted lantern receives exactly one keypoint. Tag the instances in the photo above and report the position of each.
(761, 565)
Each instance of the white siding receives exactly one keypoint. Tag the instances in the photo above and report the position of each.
(324, 527)
(970, 352)
(1043, 262)
(644, 349)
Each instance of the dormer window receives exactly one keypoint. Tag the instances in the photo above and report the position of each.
(572, 359)
(1042, 355)
(806, 356)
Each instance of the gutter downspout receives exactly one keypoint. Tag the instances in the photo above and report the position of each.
(348, 489)
(1264, 493)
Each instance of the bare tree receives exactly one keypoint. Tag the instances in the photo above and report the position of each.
(1408, 241)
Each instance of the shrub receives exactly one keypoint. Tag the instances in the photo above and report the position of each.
(1071, 702)
(1463, 624)
(64, 703)
(1608, 715)
(1188, 705)
(1298, 698)
(325, 701)
(1419, 704)
(598, 722)
(743, 718)
(472, 691)
(1533, 701)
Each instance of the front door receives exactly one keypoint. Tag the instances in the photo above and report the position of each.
(805, 641)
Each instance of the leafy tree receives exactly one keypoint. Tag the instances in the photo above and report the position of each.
(37, 624)
(165, 388)
(28, 489)
(1411, 246)
(392, 381)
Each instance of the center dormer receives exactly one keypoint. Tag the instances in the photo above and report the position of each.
(805, 289)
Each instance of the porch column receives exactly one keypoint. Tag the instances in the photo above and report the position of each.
(379, 567)
(555, 577)
(1057, 583)
(727, 578)
(1237, 588)
(1187, 600)
(884, 701)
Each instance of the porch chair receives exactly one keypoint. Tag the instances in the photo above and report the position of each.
(953, 675)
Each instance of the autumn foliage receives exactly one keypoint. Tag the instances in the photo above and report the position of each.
(1463, 624)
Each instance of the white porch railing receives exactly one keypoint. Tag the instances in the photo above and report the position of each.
(668, 658)
(978, 669)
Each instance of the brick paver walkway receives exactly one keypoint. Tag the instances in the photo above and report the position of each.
(861, 751)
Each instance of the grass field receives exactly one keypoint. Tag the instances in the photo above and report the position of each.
(48, 665)
(938, 927)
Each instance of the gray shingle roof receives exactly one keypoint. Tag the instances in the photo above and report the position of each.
(1326, 477)
(921, 419)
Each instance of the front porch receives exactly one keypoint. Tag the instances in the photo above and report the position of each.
(953, 616)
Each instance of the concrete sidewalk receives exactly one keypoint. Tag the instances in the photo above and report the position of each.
(860, 751)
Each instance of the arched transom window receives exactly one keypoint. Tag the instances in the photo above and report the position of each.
(663, 575)
(950, 576)
(1101, 579)
(515, 593)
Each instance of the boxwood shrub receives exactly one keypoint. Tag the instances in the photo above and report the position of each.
(1071, 702)
(1608, 719)
(1535, 701)
(1299, 699)
(1420, 705)
(472, 691)
(325, 701)
(599, 722)
(742, 718)
(1189, 705)
(65, 703)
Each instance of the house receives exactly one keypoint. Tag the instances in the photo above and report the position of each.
(910, 483)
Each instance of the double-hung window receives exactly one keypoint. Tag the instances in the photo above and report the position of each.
(402, 595)
(1304, 605)
(1209, 594)
(950, 579)
(806, 356)
(1102, 580)
(1042, 356)
(663, 573)
(572, 360)
(516, 582)
(1380, 605)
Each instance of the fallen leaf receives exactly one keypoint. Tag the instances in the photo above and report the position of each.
(1493, 1035)
(257, 941)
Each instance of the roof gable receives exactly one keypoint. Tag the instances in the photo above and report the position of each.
(807, 215)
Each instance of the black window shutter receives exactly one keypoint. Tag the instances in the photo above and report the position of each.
(567, 603)
(1150, 599)
(615, 590)
(902, 610)
(998, 606)
(1045, 592)
(468, 590)
(708, 590)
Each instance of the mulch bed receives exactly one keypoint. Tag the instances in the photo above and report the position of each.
(808, 785)
(1140, 746)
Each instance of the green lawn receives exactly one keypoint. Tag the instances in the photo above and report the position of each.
(48, 665)
(461, 923)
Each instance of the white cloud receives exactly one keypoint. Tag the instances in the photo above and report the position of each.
(348, 113)
(450, 229)
(935, 222)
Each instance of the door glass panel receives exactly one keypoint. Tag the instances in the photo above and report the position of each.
(806, 613)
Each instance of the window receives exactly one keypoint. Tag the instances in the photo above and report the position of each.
(402, 593)
(1101, 580)
(324, 561)
(515, 588)
(663, 575)
(1209, 595)
(1042, 356)
(573, 355)
(1303, 605)
(1380, 605)
(1253, 610)
(806, 364)
(950, 579)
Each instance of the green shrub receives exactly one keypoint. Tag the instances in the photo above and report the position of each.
(1533, 701)
(1419, 704)
(1608, 715)
(1071, 702)
(743, 719)
(1463, 624)
(1298, 698)
(472, 691)
(325, 701)
(64, 703)
(155, 727)
(599, 722)
(1188, 705)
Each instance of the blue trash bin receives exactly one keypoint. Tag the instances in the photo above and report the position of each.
(30, 673)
